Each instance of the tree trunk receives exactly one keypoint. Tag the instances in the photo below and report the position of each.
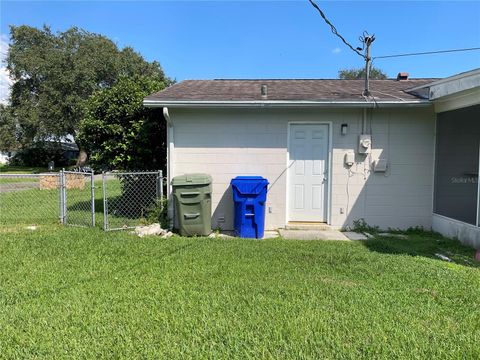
(82, 158)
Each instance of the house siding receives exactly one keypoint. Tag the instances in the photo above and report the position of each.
(230, 142)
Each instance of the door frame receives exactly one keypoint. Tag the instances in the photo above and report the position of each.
(328, 200)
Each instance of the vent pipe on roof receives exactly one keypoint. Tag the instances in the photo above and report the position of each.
(264, 90)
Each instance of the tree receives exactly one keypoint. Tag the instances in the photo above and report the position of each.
(119, 132)
(55, 74)
(357, 74)
(8, 131)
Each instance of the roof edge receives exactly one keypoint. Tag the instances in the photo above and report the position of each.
(285, 104)
(448, 79)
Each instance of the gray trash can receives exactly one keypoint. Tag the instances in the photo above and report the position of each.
(193, 205)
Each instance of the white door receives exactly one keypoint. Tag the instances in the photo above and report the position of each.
(308, 172)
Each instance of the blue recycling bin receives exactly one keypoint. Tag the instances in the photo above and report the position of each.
(249, 197)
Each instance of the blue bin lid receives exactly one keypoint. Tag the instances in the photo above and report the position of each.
(249, 185)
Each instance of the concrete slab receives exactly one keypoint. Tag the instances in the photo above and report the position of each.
(352, 235)
(299, 225)
(312, 235)
(270, 234)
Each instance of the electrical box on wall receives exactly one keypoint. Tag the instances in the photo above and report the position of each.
(364, 144)
(380, 165)
(349, 158)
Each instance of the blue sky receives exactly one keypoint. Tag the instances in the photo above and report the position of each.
(269, 39)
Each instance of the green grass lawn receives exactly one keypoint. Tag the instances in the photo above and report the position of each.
(18, 180)
(83, 293)
(9, 169)
(12, 170)
(29, 207)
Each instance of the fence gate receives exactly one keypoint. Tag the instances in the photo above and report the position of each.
(129, 197)
(77, 198)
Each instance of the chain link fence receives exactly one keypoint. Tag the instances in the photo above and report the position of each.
(78, 198)
(123, 199)
(129, 197)
(30, 199)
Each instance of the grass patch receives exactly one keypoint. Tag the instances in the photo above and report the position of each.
(84, 293)
(12, 170)
(29, 207)
(8, 169)
(18, 180)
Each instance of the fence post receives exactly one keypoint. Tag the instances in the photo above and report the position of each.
(60, 206)
(92, 194)
(63, 193)
(159, 188)
(60, 196)
(105, 204)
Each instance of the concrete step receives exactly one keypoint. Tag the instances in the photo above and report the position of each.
(298, 225)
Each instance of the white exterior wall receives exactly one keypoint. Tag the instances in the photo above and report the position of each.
(465, 233)
(230, 142)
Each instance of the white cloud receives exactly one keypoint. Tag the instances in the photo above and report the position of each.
(337, 50)
(5, 81)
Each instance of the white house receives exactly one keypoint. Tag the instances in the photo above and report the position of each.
(5, 156)
(331, 154)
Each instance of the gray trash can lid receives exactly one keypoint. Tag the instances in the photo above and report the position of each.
(192, 179)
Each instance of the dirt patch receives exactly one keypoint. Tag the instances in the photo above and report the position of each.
(72, 181)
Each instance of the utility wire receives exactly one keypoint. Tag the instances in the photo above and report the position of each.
(334, 29)
(425, 53)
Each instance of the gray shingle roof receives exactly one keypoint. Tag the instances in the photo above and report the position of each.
(285, 90)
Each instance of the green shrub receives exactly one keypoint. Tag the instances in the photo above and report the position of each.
(360, 225)
(158, 212)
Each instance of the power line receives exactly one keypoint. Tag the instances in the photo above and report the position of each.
(334, 29)
(425, 53)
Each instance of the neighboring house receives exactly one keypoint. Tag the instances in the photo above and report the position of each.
(70, 150)
(332, 155)
(5, 156)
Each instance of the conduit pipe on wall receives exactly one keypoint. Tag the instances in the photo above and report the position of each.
(364, 121)
(170, 160)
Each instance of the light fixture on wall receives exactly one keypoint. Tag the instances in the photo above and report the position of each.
(344, 129)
